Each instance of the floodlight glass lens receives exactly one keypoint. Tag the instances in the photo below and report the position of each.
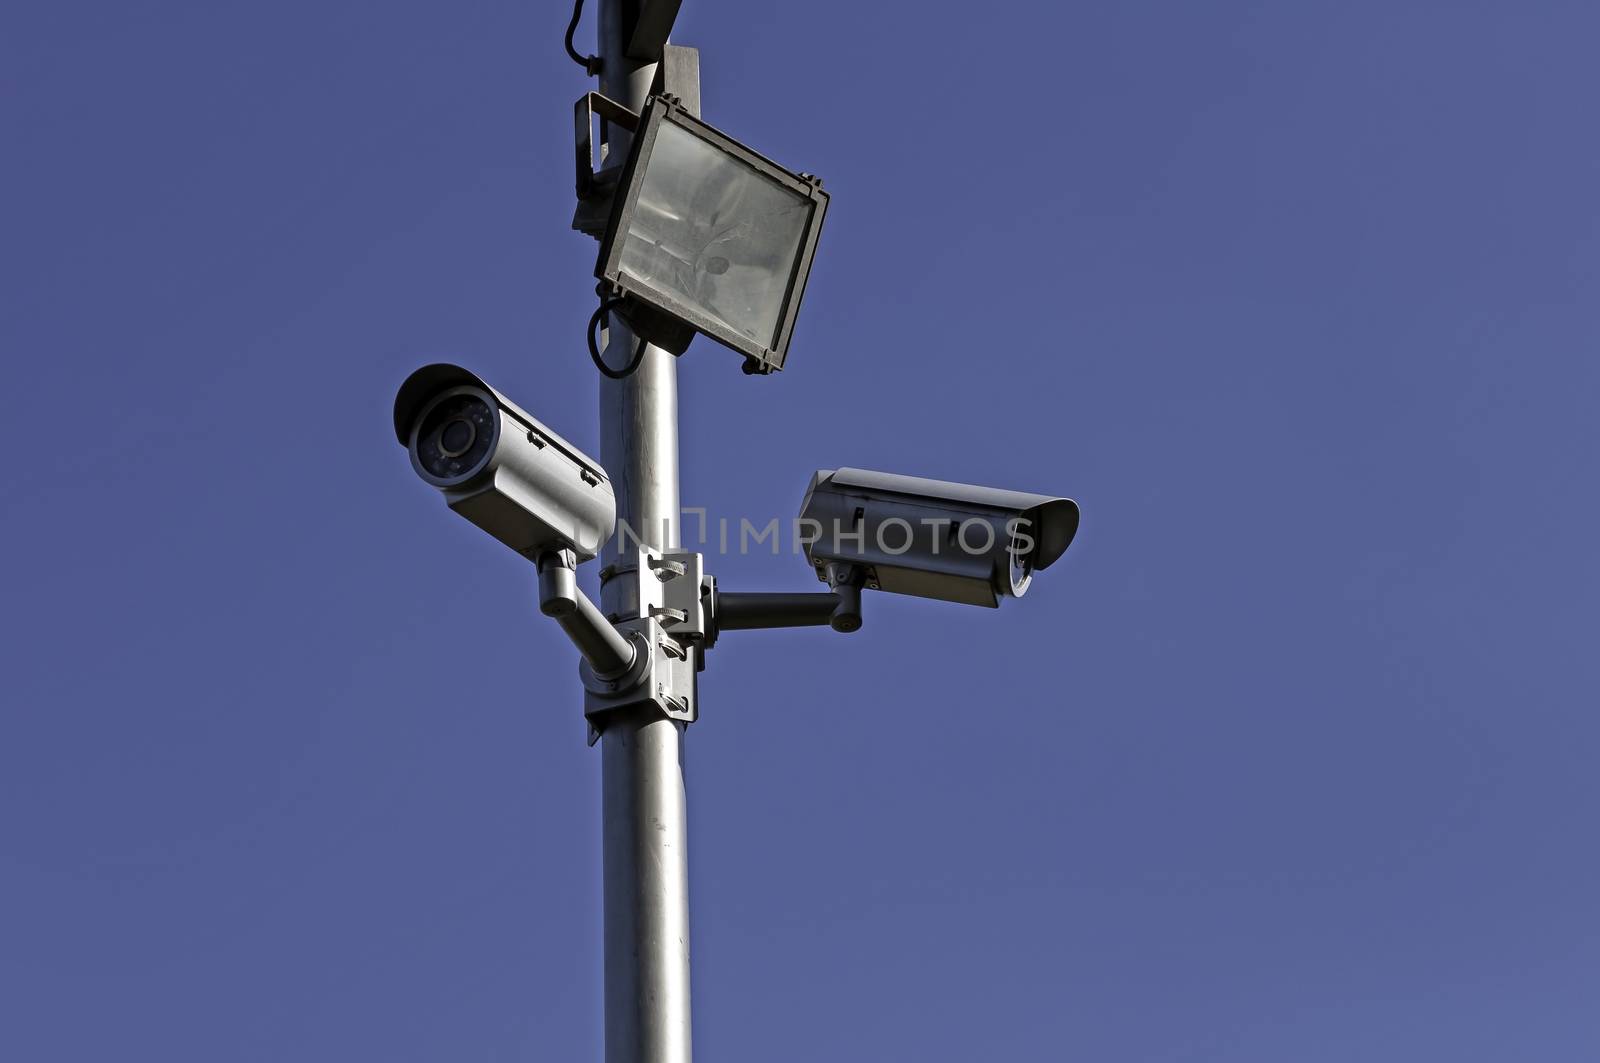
(715, 234)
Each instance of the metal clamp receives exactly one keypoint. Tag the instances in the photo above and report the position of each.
(678, 76)
(668, 631)
(661, 681)
(673, 596)
(609, 110)
(596, 187)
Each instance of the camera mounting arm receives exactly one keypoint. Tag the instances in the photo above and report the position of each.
(839, 609)
(747, 611)
(608, 651)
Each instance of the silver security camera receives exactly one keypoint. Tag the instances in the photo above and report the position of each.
(930, 538)
(500, 467)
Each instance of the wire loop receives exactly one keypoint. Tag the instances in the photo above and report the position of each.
(590, 63)
(594, 346)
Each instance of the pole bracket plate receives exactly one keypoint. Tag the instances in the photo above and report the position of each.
(669, 591)
(661, 683)
(668, 630)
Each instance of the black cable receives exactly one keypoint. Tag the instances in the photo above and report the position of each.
(590, 63)
(594, 347)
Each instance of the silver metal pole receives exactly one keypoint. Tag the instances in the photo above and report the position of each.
(646, 872)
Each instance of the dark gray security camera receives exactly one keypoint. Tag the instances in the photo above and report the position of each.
(930, 538)
(500, 467)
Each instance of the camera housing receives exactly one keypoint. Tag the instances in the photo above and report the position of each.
(500, 467)
(931, 538)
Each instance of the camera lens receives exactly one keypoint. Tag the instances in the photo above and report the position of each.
(455, 435)
(1021, 565)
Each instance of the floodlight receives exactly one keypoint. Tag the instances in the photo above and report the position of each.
(707, 236)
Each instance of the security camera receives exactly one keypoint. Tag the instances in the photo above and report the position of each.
(930, 538)
(500, 467)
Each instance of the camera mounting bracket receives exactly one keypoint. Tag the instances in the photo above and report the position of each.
(668, 630)
(660, 683)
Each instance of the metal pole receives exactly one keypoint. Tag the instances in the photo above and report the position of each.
(646, 870)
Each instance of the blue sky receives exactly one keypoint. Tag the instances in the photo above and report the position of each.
(1292, 757)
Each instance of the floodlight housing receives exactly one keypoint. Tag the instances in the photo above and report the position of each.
(708, 236)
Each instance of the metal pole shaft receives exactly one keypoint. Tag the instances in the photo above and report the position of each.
(646, 872)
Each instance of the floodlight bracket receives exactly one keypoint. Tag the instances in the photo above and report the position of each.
(654, 326)
(584, 111)
(677, 77)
